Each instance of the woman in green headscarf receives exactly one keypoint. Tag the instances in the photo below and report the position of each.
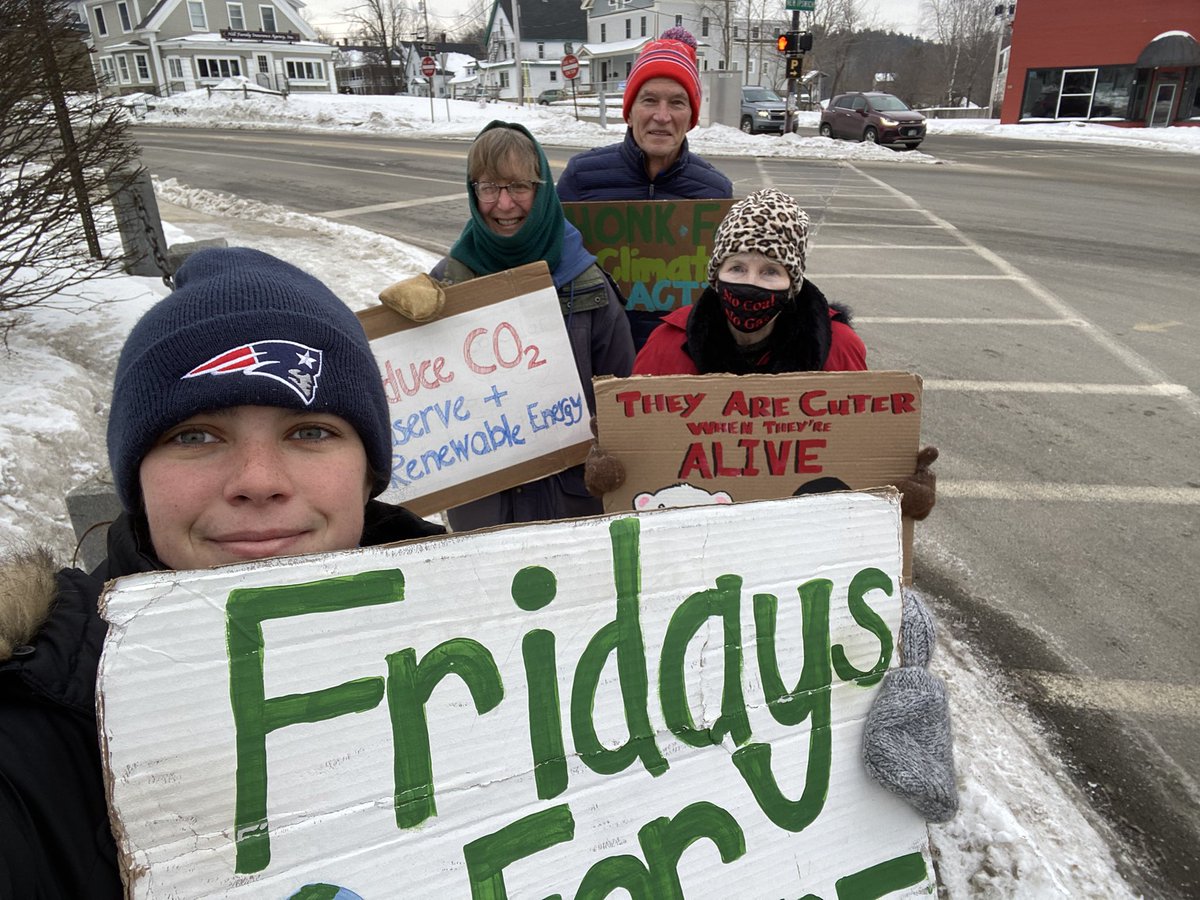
(516, 218)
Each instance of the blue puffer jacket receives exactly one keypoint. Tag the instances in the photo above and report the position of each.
(618, 172)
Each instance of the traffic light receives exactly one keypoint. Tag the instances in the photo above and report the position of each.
(793, 42)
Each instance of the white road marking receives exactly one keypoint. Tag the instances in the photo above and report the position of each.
(1133, 361)
(1024, 492)
(399, 204)
(1150, 698)
(1162, 389)
(946, 320)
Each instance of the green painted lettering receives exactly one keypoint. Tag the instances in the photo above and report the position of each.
(881, 880)
(809, 700)
(255, 715)
(867, 580)
(409, 687)
(624, 636)
(487, 857)
(664, 840)
(724, 602)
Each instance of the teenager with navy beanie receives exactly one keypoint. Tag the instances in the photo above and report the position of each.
(248, 421)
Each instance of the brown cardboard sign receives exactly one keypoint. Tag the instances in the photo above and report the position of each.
(484, 398)
(691, 440)
(655, 250)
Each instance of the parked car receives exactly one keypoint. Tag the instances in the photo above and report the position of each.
(873, 117)
(545, 98)
(762, 110)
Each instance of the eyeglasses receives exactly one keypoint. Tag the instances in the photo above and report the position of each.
(489, 192)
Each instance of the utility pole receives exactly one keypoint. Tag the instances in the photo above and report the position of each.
(1004, 13)
(516, 26)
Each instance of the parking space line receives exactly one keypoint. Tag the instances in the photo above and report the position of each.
(1030, 491)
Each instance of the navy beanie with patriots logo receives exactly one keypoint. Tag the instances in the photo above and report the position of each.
(243, 328)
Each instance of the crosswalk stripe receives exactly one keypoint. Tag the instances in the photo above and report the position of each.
(1027, 491)
(1118, 695)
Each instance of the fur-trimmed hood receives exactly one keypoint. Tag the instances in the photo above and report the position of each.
(27, 591)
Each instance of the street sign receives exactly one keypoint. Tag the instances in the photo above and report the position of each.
(428, 66)
(570, 67)
(801, 5)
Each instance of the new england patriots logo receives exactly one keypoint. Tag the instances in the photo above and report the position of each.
(289, 363)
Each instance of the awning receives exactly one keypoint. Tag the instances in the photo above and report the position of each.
(1172, 48)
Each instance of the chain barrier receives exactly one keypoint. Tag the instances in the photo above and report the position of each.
(159, 253)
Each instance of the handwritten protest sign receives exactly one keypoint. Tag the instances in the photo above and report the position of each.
(655, 250)
(669, 703)
(690, 440)
(486, 397)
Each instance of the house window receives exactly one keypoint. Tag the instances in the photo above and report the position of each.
(265, 67)
(603, 32)
(237, 16)
(679, 21)
(123, 15)
(628, 29)
(123, 69)
(643, 26)
(268, 17)
(735, 32)
(142, 64)
(553, 76)
(305, 70)
(107, 72)
(101, 26)
(503, 79)
(218, 68)
(754, 33)
(175, 68)
(704, 27)
(541, 50)
(196, 15)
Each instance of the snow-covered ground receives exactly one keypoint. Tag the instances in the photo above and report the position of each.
(1022, 831)
(556, 126)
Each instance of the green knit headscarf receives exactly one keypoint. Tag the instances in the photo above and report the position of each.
(541, 237)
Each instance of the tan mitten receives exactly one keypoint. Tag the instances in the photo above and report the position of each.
(419, 298)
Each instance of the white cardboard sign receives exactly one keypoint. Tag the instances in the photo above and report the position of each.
(668, 702)
(486, 397)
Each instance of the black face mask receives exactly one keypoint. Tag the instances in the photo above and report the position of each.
(749, 308)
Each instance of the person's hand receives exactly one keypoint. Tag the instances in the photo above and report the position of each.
(602, 472)
(907, 742)
(919, 490)
(419, 298)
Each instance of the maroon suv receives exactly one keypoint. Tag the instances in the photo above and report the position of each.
(873, 117)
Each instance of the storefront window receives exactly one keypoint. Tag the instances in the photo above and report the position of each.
(1078, 93)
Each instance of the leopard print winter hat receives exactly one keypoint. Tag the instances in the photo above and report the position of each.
(768, 222)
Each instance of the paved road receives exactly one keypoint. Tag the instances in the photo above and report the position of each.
(1046, 294)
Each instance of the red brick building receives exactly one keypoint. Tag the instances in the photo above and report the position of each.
(1124, 61)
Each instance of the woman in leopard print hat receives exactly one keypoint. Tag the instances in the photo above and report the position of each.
(759, 313)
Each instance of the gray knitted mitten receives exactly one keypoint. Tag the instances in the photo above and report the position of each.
(907, 744)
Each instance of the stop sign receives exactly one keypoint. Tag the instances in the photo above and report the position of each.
(570, 67)
(428, 67)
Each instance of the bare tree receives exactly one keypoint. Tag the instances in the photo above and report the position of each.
(965, 31)
(385, 23)
(64, 150)
(836, 26)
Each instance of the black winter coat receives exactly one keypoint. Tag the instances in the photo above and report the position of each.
(55, 839)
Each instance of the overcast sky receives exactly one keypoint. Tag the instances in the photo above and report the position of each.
(902, 15)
